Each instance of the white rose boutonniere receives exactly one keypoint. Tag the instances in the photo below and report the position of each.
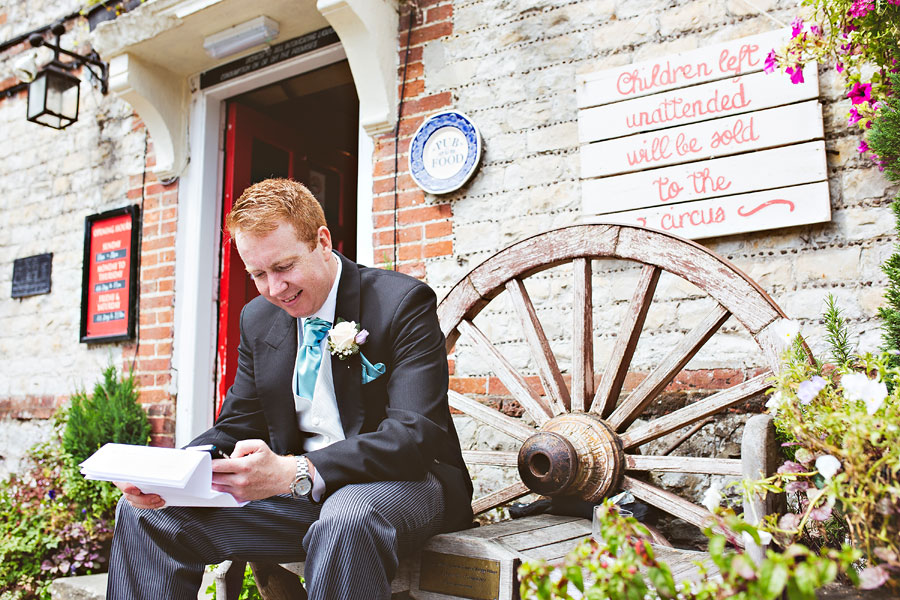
(345, 338)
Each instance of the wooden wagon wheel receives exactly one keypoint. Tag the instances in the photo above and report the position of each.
(583, 444)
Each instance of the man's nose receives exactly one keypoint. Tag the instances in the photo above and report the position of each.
(277, 284)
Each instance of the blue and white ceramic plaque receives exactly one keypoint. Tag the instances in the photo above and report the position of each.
(444, 152)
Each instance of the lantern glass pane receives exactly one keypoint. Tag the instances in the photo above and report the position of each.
(37, 90)
(62, 96)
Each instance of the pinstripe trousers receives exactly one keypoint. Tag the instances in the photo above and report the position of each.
(351, 543)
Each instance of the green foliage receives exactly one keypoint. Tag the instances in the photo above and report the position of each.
(861, 39)
(249, 591)
(890, 313)
(846, 463)
(111, 414)
(838, 336)
(620, 565)
(884, 136)
(67, 524)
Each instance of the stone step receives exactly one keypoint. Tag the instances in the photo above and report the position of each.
(93, 587)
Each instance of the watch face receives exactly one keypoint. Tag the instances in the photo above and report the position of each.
(304, 486)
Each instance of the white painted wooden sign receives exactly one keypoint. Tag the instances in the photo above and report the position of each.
(718, 137)
(778, 167)
(704, 143)
(770, 209)
(698, 103)
(729, 59)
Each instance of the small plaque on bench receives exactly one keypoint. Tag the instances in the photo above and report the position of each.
(463, 576)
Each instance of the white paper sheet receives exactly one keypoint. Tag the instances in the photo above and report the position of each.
(182, 477)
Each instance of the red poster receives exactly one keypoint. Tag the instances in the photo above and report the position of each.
(108, 297)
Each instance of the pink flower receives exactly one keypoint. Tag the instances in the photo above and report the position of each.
(839, 66)
(860, 92)
(770, 60)
(796, 26)
(796, 73)
(817, 31)
(861, 8)
(854, 116)
(863, 147)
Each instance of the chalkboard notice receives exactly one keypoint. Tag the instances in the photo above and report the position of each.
(109, 275)
(31, 275)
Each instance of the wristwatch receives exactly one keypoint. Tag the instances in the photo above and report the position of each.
(302, 485)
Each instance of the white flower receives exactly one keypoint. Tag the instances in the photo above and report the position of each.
(342, 339)
(859, 387)
(713, 496)
(774, 402)
(784, 332)
(828, 465)
(765, 538)
(343, 334)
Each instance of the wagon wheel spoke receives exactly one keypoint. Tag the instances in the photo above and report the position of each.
(626, 342)
(500, 497)
(548, 369)
(695, 412)
(489, 416)
(667, 501)
(491, 458)
(582, 336)
(665, 372)
(683, 464)
(513, 381)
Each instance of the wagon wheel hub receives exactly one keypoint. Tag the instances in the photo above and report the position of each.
(575, 454)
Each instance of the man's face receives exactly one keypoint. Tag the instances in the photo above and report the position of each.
(286, 272)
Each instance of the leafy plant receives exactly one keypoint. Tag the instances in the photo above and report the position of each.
(67, 524)
(884, 136)
(846, 460)
(111, 414)
(249, 591)
(861, 38)
(621, 565)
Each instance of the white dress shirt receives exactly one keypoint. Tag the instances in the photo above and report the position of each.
(320, 417)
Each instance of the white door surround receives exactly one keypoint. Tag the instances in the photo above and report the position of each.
(187, 128)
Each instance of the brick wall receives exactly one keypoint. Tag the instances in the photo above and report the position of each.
(421, 227)
(52, 180)
(153, 348)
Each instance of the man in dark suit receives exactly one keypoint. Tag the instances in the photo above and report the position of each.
(344, 444)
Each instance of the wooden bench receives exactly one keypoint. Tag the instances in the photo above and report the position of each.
(581, 438)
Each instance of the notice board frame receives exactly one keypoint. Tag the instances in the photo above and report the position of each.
(90, 221)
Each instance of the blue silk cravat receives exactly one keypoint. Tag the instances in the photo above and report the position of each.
(309, 357)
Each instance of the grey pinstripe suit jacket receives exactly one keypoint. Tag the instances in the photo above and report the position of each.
(397, 427)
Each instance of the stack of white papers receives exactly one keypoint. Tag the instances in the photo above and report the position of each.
(180, 477)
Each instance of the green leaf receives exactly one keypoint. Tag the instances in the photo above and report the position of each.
(662, 580)
(777, 580)
(573, 573)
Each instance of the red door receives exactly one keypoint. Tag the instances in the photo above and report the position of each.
(256, 148)
(259, 146)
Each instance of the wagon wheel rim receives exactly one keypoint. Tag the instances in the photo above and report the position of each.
(734, 293)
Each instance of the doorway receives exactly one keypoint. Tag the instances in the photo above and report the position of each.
(304, 128)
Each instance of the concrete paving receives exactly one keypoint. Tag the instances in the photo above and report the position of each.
(93, 587)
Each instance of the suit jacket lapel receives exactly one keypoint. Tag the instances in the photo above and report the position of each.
(278, 360)
(347, 374)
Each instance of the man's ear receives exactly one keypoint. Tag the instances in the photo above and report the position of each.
(323, 239)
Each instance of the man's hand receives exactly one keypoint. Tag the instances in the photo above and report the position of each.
(137, 498)
(253, 472)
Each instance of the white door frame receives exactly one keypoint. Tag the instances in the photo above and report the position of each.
(199, 235)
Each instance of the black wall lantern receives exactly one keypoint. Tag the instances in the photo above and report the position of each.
(53, 94)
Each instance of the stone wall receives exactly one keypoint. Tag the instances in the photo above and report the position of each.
(50, 181)
(513, 67)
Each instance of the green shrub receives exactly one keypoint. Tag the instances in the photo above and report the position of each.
(54, 522)
(111, 414)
